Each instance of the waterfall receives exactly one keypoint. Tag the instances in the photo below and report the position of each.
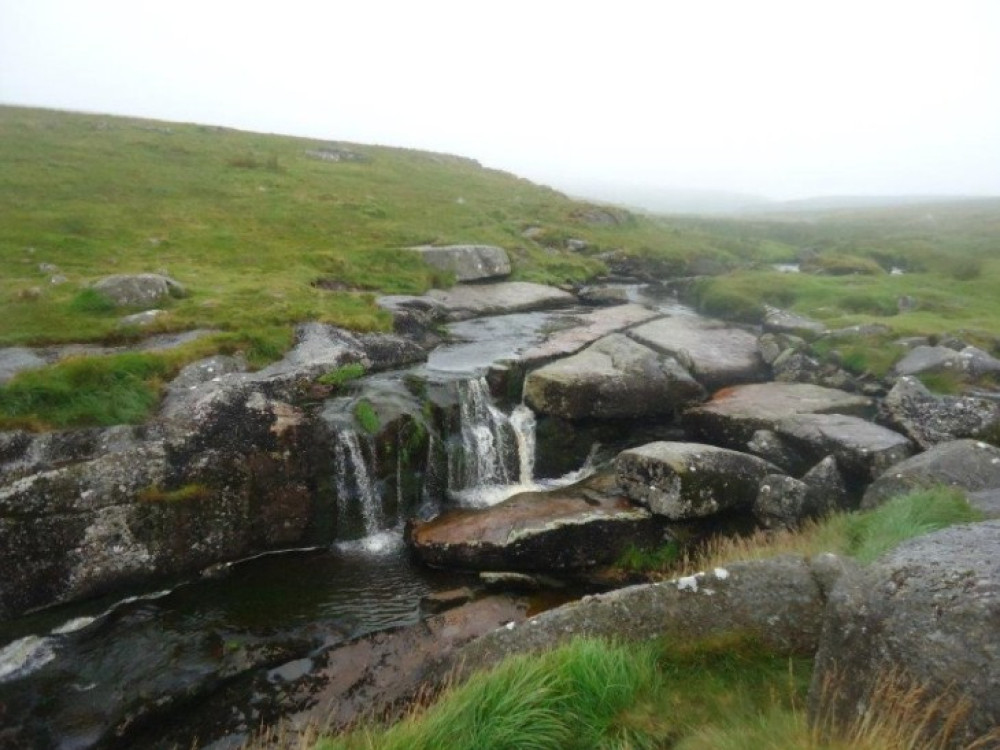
(350, 464)
(522, 420)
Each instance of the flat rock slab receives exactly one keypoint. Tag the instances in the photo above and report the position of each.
(571, 528)
(468, 262)
(715, 354)
(928, 609)
(784, 321)
(690, 480)
(472, 300)
(863, 450)
(591, 327)
(733, 415)
(614, 378)
(966, 464)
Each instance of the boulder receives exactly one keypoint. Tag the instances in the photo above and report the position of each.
(468, 262)
(927, 611)
(614, 378)
(567, 529)
(967, 464)
(733, 415)
(986, 502)
(16, 359)
(690, 480)
(472, 300)
(139, 289)
(929, 419)
(921, 359)
(717, 355)
(863, 450)
(976, 363)
(780, 601)
(783, 501)
(783, 321)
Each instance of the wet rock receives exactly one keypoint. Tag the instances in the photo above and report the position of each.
(965, 464)
(24, 453)
(139, 290)
(468, 262)
(472, 300)
(733, 415)
(441, 601)
(17, 359)
(614, 378)
(863, 450)
(927, 610)
(784, 321)
(781, 601)
(690, 480)
(572, 528)
(715, 354)
(929, 419)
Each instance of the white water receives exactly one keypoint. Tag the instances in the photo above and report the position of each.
(483, 455)
(350, 464)
(25, 655)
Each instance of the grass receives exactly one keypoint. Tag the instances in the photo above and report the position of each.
(343, 374)
(367, 417)
(187, 493)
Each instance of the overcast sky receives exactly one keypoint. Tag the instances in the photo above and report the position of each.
(783, 99)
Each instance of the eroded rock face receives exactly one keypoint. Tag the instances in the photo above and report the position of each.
(715, 354)
(469, 301)
(733, 415)
(615, 378)
(566, 529)
(468, 262)
(928, 419)
(930, 609)
(965, 464)
(690, 480)
(139, 290)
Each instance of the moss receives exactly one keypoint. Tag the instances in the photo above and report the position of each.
(187, 493)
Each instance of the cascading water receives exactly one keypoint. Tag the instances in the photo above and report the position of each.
(350, 464)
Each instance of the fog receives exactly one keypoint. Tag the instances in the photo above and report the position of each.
(777, 99)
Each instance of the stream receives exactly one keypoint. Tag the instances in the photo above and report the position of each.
(87, 674)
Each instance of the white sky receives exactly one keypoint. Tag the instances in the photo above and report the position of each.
(785, 99)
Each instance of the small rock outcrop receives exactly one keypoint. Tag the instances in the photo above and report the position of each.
(690, 480)
(468, 262)
(784, 502)
(966, 464)
(139, 289)
(733, 415)
(928, 611)
(929, 419)
(614, 378)
(572, 528)
(784, 321)
(717, 355)
(465, 301)
(16, 359)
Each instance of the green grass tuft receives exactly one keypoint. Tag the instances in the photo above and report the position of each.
(367, 417)
(343, 374)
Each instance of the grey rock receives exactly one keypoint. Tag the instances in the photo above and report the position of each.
(768, 445)
(976, 363)
(770, 347)
(144, 318)
(468, 262)
(337, 153)
(796, 367)
(781, 501)
(139, 290)
(614, 378)
(690, 480)
(929, 419)
(783, 321)
(718, 355)
(733, 415)
(57, 279)
(863, 450)
(986, 502)
(866, 330)
(928, 610)
(469, 301)
(923, 359)
(911, 342)
(576, 245)
(15, 359)
(965, 464)
(827, 488)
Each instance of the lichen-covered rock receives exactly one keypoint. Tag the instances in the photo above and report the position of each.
(783, 501)
(929, 610)
(139, 289)
(468, 262)
(733, 415)
(929, 419)
(965, 464)
(716, 355)
(571, 528)
(614, 378)
(690, 480)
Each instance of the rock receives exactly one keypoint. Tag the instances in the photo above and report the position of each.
(976, 363)
(781, 601)
(781, 501)
(911, 342)
(566, 529)
(468, 262)
(796, 367)
(144, 318)
(690, 480)
(469, 301)
(827, 490)
(768, 445)
(924, 359)
(715, 354)
(770, 347)
(966, 464)
(507, 580)
(783, 321)
(139, 290)
(16, 359)
(440, 601)
(863, 450)
(614, 378)
(733, 415)
(929, 419)
(337, 153)
(604, 295)
(986, 502)
(927, 610)
(867, 330)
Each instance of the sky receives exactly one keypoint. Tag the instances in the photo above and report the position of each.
(783, 99)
